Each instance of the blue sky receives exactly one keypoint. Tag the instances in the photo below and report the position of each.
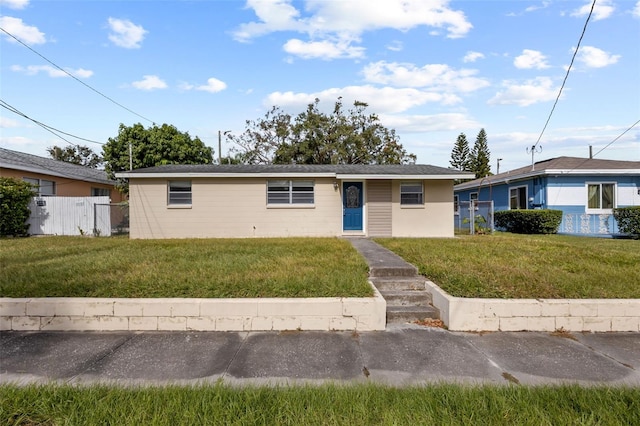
(430, 69)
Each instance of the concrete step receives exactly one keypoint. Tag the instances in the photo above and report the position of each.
(399, 283)
(405, 314)
(393, 271)
(406, 297)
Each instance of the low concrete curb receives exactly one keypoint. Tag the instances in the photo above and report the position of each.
(103, 314)
(597, 315)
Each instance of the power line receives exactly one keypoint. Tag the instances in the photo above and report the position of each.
(584, 29)
(48, 128)
(74, 77)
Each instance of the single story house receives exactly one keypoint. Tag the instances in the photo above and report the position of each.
(585, 189)
(212, 201)
(57, 178)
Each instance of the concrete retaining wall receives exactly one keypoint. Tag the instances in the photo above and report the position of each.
(597, 315)
(362, 314)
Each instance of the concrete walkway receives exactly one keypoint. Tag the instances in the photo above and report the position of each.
(408, 355)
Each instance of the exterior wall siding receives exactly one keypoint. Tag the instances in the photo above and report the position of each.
(432, 219)
(66, 187)
(229, 208)
(379, 217)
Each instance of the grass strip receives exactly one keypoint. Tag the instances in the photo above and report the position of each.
(323, 405)
(506, 265)
(200, 268)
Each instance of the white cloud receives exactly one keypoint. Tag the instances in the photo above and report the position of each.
(125, 33)
(429, 123)
(531, 59)
(14, 4)
(28, 34)
(636, 10)
(472, 56)
(15, 140)
(395, 46)
(150, 82)
(435, 76)
(6, 123)
(52, 71)
(347, 20)
(324, 49)
(531, 92)
(593, 57)
(602, 10)
(213, 86)
(382, 100)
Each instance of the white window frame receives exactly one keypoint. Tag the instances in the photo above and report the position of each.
(39, 185)
(96, 190)
(412, 203)
(526, 197)
(293, 195)
(177, 196)
(600, 210)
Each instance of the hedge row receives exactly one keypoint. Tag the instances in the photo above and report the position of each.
(15, 195)
(529, 221)
(628, 219)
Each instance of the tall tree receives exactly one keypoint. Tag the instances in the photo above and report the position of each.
(479, 157)
(153, 146)
(314, 137)
(460, 154)
(76, 154)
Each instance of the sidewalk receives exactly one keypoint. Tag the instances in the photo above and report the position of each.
(399, 356)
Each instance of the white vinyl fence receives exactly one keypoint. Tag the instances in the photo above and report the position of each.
(69, 216)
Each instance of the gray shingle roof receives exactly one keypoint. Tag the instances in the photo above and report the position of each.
(32, 163)
(573, 164)
(349, 169)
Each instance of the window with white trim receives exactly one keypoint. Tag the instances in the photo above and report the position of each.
(42, 186)
(100, 192)
(518, 198)
(290, 192)
(179, 192)
(601, 196)
(411, 193)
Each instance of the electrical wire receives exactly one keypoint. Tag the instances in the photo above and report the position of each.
(48, 128)
(584, 29)
(75, 78)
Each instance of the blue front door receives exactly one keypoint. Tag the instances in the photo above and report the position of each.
(352, 206)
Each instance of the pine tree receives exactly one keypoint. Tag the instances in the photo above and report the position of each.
(460, 154)
(479, 157)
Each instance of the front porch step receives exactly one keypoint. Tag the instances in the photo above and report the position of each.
(393, 271)
(405, 314)
(399, 283)
(406, 297)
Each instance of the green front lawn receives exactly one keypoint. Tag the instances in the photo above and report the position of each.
(203, 268)
(526, 266)
(323, 405)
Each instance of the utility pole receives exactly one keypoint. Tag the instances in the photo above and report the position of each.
(220, 133)
(130, 157)
(498, 166)
(533, 150)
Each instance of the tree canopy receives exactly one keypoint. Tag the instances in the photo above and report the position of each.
(314, 137)
(460, 153)
(153, 146)
(479, 157)
(76, 154)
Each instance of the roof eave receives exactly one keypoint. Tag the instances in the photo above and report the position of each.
(341, 176)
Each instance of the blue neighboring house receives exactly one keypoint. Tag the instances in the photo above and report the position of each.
(585, 189)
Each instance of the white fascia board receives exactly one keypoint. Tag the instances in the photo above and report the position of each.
(401, 177)
(593, 172)
(224, 175)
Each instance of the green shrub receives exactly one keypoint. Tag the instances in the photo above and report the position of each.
(628, 219)
(15, 195)
(529, 221)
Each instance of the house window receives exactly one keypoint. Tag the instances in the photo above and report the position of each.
(43, 187)
(411, 193)
(290, 192)
(601, 196)
(179, 192)
(518, 198)
(456, 204)
(100, 192)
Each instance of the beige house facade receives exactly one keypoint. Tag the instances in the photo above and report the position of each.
(243, 201)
